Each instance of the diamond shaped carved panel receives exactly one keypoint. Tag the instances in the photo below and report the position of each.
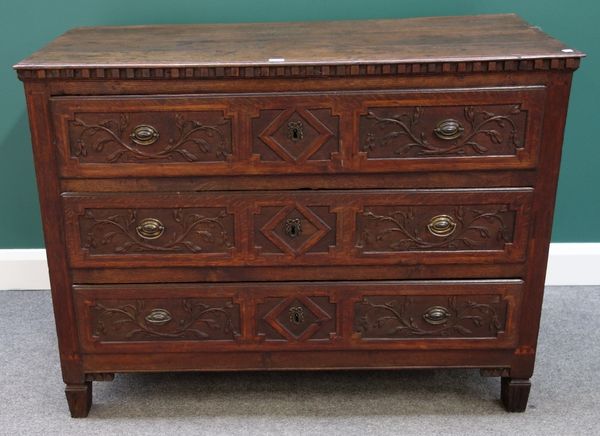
(294, 229)
(295, 135)
(296, 318)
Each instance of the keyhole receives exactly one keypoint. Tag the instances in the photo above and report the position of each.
(295, 132)
(293, 228)
(296, 315)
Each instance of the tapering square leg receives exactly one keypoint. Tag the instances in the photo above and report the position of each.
(79, 397)
(515, 393)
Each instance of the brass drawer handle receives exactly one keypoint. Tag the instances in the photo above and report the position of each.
(436, 315)
(158, 317)
(144, 135)
(150, 228)
(448, 129)
(441, 225)
(293, 227)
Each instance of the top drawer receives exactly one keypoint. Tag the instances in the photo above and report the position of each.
(274, 133)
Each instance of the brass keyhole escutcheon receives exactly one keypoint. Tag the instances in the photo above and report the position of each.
(436, 315)
(295, 131)
(293, 227)
(296, 315)
(448, 129)
(144, 135)
(150, 228)
(441, 225)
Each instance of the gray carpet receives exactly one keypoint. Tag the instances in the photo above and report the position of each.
(563, 401)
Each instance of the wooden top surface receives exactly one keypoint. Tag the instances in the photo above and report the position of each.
(438, 39)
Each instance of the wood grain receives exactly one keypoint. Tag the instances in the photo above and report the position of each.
(466, 38)
(414, 45)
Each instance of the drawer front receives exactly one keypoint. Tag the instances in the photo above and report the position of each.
(197, 135)
(297, 228)
(496, 130)
(165, 319)
(201, 136)
(394, 317)
(256, 316)
(335, 132)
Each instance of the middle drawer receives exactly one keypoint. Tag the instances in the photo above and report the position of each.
(362, 227)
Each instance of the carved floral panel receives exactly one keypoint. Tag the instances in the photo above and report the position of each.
(444, 131)
(150, 137)
(177, 230)
(165, 319)
(464, 316)
(434, 228)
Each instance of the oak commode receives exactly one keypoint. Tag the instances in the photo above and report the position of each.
(371, 194)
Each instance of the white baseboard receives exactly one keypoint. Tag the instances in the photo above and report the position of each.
(23, 269)
(573, 264)
(568, 264)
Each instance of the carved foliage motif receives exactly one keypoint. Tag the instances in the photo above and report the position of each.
(401, 317)
(110, 138)
(442, 131)
(173, 319)
(386, 228)
(105, 231)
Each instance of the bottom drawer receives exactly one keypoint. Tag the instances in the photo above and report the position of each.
(278, 316)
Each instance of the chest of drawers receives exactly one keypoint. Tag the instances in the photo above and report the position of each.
(343, 195)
